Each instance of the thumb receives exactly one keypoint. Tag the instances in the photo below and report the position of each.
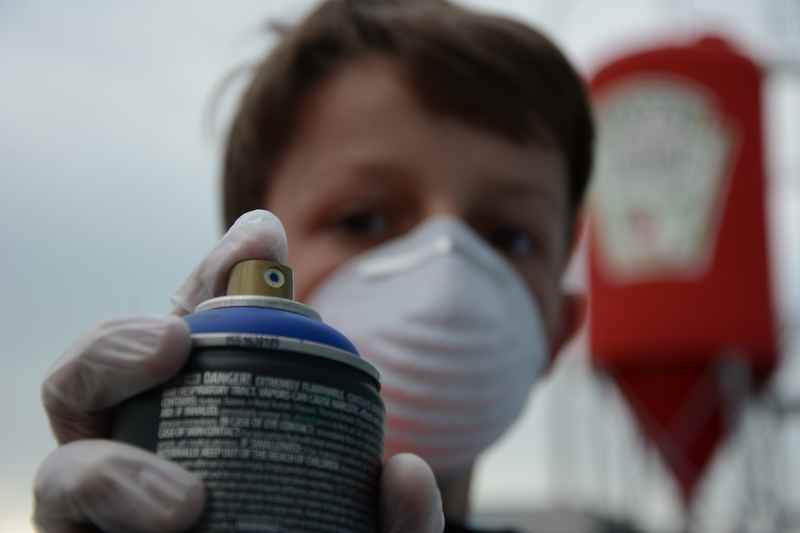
(255, 235)
(410, 499)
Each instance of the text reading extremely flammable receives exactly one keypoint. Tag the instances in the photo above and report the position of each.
(239, 415)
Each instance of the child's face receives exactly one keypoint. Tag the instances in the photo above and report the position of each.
(368, 163)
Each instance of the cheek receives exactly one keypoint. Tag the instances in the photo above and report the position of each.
(313, 252)
(313, 261)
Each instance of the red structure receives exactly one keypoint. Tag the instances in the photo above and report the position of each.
(678, 255)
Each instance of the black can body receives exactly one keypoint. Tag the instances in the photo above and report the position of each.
(286, 432)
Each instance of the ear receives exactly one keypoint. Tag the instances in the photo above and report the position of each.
(573, 313)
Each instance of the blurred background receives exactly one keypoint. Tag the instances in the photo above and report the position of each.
(109, 196)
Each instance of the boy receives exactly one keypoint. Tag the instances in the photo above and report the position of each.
(402, 129)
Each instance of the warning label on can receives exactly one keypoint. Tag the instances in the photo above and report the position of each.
(276, 454)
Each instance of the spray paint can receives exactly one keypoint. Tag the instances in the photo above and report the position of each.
(275, 410)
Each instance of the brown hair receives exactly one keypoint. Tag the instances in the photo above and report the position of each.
(488, 71)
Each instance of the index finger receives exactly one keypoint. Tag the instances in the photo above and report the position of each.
(256, 234)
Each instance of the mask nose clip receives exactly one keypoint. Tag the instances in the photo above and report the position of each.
(382, 267)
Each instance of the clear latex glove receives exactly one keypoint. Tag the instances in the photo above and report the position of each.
(89, 482)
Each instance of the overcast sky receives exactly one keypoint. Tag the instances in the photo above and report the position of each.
(108, 197)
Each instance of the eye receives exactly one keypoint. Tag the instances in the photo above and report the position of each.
(511, 241)
(362, 223)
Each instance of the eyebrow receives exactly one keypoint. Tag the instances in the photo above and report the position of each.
(383, 170)
(526, 194)
(515, 187)
(363, 173)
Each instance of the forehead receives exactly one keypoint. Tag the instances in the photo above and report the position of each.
(367, 114)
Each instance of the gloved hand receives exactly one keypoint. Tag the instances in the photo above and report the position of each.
(89, 482)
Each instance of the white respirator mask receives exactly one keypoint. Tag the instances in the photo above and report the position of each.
(454, 332)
